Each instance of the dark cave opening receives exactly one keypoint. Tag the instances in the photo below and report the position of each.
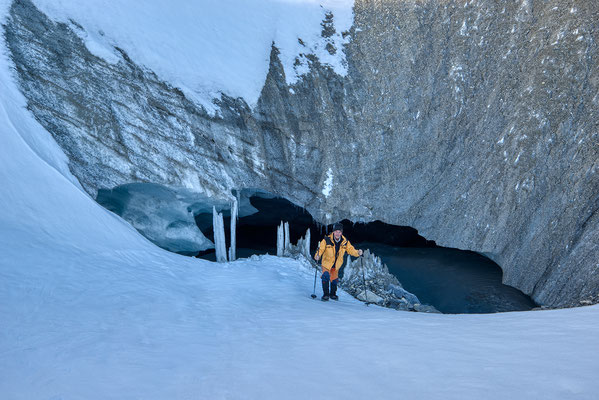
(452, 280)
(257, 233)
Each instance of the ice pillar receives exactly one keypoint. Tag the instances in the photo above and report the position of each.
(232, 249)
(306, 249)
(287, 245)
(219, 236)
(280, 240)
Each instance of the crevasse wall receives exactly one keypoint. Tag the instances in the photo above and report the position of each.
(474, 122)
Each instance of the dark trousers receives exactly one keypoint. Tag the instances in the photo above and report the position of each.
(326, 279)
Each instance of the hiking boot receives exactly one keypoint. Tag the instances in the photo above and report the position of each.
(325, 297)
(334, 291)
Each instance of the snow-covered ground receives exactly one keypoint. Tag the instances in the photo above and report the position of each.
(89, 309)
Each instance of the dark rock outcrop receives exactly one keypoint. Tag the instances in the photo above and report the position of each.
(475, 122)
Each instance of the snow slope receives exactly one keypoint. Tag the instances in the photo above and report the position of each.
(89, 309)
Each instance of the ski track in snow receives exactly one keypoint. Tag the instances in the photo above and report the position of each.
(89, 309)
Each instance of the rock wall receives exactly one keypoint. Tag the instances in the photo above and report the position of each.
(475, 122)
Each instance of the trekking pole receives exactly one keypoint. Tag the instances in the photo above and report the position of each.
(315, 273)
(313, 295)
(364, 279)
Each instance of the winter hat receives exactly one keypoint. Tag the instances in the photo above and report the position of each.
(337, 227)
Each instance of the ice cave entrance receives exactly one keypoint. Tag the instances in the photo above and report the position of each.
(260, 215)
(453, 281)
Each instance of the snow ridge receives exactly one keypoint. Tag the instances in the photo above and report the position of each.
(219, 46)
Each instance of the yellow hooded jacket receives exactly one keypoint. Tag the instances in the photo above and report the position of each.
(326, 251)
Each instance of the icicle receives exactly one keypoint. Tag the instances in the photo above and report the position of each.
(219, 236)
(280, 240)
(306, 249)
(287, 241)
(232, 249)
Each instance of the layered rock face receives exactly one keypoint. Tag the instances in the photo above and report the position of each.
(475, 122)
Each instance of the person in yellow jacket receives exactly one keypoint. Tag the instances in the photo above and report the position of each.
(332, 249)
